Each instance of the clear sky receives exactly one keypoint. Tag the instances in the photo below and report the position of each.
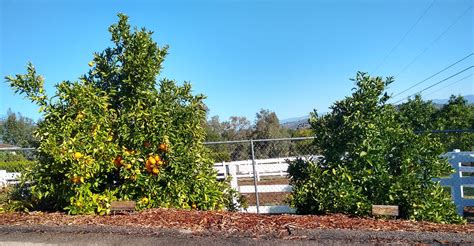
(287, 56)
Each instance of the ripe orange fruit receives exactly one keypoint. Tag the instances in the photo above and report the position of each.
(79, 116)
(148, 166)
(157, 158)
(118, 161)
(156, 170)
(194, 206)
(163, 147)
(152, 160)
(77, 179)
(77, 155)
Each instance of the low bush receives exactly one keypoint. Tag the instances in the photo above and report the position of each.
(16, 166)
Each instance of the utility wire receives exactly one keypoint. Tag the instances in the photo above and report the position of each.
(445, 131)
(434, 41)
(442, 70)
(437, 83)
(444, 87)
(404, 36)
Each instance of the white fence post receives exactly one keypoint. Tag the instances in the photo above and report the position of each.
(232, 171)
(456, 181)
(3, 177)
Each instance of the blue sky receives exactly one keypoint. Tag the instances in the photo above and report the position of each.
(287, 56)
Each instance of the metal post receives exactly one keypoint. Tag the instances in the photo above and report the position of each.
(255, 176)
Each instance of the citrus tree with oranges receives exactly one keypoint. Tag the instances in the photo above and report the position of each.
(117, 134)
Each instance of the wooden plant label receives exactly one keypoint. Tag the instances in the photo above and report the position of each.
(116, 206)
(385, 210)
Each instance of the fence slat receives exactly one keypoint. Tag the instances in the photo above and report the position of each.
(277, 209)
(265, 188)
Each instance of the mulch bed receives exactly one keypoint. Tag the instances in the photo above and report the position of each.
(229, 222)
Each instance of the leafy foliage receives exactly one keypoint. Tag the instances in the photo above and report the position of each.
(266, 126)
(371, 157)
(115, 135)
(17, 130)
(457, 114)
(418, 114)
(16, 166)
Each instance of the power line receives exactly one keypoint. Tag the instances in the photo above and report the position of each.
(444, 87)
(404, 36)
(445, 131)
(434, 41)
(437, 83)
(442, 70)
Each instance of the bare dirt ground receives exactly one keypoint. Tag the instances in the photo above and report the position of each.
(188, 226)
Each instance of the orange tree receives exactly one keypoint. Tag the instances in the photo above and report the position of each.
(371, 156)
(117, 135)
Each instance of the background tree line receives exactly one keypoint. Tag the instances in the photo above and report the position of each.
(266, 126)
(423, 116)
(17, 130)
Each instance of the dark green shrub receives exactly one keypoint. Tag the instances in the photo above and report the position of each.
(371, 158)
(8, 156)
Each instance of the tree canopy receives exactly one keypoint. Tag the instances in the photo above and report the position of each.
(371, 157)
(117, 134)
(17, 130)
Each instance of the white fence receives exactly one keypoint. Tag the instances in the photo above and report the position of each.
(263, 167)
(463, 163)
(7, 178)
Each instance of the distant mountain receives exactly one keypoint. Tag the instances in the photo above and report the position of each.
(294, 119)
(296, 123)
(469, 98)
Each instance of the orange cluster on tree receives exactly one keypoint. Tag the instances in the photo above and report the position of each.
(153, 164)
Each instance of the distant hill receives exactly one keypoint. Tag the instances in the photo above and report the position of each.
(282, 122)
(469, 98)
(296, 123)
(302, 122)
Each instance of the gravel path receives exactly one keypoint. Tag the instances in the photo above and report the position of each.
(119, 235)
(192, 227)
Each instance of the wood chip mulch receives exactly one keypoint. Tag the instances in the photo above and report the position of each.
(229, 222)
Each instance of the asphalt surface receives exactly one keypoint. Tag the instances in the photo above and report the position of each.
(112, 235)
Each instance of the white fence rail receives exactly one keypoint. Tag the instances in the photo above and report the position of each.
(263, 167)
